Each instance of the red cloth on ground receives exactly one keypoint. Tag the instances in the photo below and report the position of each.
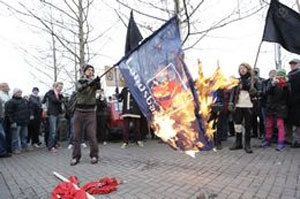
(103, 186)
(66, 190)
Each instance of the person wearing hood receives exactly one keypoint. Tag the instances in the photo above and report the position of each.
(241, 102)
(18, 112)
(294, 101)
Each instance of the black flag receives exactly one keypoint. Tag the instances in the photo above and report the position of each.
(283, 26)
(133, 35)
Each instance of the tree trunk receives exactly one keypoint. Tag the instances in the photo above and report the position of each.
(81, 34)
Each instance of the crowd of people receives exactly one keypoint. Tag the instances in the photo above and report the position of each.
(273, 104)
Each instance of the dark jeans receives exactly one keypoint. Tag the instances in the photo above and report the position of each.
(136, 129)
(101, 128)
(46, 131)
(85, 120)
(3, 145)
(19, 137)
(71, 130)
(260, 115)
(34, 131)
(8, 134)
(222, 125)
(53, 127)
(144, 128)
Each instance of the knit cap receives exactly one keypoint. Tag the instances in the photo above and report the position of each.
(16, 90)
(87, 66)
(281, 72)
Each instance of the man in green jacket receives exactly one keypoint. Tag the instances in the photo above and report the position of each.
(85, 114)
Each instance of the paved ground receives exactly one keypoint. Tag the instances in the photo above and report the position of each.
(157, 171)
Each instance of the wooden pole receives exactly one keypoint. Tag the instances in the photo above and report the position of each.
(257, 54)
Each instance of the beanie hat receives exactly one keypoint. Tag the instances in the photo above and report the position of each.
(87, 66)
(281, 72)
(16, 90)
(35, 89)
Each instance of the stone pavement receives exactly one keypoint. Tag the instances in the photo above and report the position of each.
(157, 171)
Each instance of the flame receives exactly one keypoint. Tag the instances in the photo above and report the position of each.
(176, 122)
(205, 86)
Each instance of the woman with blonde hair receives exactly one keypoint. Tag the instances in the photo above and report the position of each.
(241, 104)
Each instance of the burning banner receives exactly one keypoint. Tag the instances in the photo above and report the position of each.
(164, 90)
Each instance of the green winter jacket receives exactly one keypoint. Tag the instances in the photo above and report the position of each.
(86, 96)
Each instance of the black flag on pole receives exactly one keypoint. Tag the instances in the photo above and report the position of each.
(133, 35)
(283, 27)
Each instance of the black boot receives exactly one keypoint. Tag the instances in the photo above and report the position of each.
(238, 142)
(247, 144)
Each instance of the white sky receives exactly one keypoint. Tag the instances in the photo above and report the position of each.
(231, 45)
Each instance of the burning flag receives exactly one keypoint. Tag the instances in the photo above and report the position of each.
(163, 88)
(205, 86)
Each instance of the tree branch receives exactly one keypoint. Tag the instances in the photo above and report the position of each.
(187, 20)
(141, 13)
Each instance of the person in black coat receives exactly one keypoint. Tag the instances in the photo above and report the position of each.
(35, 106)
(241, 102)
(131, 114)
(53, 99)
(257, 108)
(101, 117)
(294, 101)
(277, 94)
(19, 114)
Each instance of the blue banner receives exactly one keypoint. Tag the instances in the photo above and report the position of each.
(162, 86)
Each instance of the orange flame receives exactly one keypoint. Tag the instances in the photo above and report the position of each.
(205, 86)
(176, 124)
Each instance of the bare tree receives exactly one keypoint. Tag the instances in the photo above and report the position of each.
(195, 17)
(69, 34)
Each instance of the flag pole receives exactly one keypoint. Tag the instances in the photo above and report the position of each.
(257, 54)
(105, 72)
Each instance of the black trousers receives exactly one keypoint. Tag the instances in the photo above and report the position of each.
(101, 128)
(245, 114)
(34, 131)
(258, 113)
(8, 135)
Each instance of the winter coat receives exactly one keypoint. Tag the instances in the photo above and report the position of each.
(86, 97)
(130, 107)
(263, 95)
(1, 109)
(18, 111)
(294, 97)
(54, 104)
(246, 85)
(35, 106)
(276, 100)
(101, 106)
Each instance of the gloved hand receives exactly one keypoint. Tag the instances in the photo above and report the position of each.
(245, 84)
(31, 117)
(231, 107)
(252, 91)
(83, 84)
(94, 81)
(13, 125)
